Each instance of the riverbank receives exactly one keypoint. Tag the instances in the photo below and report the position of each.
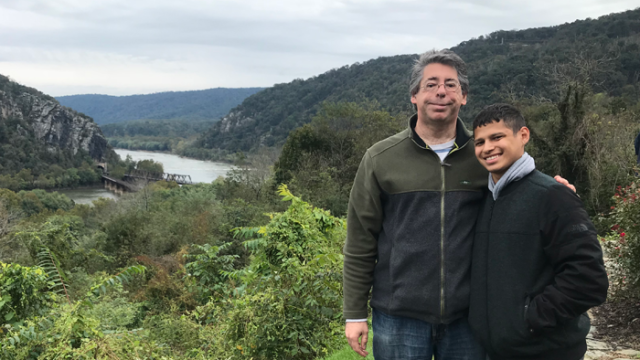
(89, 195)
(215, 160)
(85, 187)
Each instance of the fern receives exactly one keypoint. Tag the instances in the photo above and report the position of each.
(121, 277)
(49, 263)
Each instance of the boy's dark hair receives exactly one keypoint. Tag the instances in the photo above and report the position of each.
(494, 113)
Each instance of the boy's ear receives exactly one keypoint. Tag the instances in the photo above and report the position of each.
(524, 134)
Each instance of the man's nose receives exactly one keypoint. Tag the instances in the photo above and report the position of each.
(441, 91)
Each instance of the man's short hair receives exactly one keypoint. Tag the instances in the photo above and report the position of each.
(444, 57)
(511, 116)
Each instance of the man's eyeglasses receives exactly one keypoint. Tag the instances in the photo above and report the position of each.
(449, 86)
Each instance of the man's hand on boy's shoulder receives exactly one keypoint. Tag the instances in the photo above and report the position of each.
(565, 182)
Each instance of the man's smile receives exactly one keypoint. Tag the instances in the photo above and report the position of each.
(438, 106)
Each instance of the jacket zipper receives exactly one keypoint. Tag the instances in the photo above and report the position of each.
(442, 232)
(442, 241)
(442, 217)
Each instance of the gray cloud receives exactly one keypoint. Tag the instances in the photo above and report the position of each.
(123, 47)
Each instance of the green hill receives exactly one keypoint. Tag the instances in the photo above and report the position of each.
(44, 144)
(154, 135)
(502, 65)
(208, 104)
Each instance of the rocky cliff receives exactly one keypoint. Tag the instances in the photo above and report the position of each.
(34, 116)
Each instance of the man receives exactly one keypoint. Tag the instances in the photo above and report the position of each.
(410, 225)
(411, 216)
(537, 265)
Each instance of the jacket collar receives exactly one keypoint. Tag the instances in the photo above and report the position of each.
(462, 134)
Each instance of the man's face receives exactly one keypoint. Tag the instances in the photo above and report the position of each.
(497, 147)
(440, 95)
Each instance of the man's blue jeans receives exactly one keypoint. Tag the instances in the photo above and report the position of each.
(401, 338)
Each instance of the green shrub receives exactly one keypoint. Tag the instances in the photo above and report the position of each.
(622, 243)
(288, 305)
(73, 332)
(24, 293)
(205, 271)
(114, 311)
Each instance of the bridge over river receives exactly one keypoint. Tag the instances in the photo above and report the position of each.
(137, 179)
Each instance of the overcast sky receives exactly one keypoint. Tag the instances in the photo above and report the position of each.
(122, 47)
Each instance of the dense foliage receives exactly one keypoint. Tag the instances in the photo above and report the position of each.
(623, 241)
(154, 135)
(53, 177)
(319, 160)
(24, 293)
(503, 65)
(588, 139)
(204, 291)
(210, 104)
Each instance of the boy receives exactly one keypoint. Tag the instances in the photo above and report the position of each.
(536, 263)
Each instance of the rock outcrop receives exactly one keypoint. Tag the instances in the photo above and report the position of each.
(52, 125)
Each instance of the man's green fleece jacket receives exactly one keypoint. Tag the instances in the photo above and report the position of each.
(410, 228)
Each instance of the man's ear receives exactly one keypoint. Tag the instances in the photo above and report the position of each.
(524, 134)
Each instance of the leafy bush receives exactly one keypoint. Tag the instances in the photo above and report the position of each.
(24, 293)
(72, 332)
(288, 305)
(206, 270)
(622, 243)
(114, 311)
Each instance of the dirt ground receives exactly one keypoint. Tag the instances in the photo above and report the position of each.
(618, 323)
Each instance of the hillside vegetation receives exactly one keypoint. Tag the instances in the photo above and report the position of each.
(208, 104)
(154, 135)
(503, 65)
(44, 145)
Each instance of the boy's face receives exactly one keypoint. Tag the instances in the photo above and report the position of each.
(497, 147)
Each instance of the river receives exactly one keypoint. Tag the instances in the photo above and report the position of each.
(200, 171)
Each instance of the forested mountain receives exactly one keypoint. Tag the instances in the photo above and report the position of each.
(503, 65)
(154, 135)
(170, 128)
(43, 144)
(208, 104)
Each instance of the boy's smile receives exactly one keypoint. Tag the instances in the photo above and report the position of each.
(497, 147)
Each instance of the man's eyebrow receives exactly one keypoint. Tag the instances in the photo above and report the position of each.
(437, 78)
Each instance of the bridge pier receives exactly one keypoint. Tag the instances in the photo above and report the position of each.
(116, 186)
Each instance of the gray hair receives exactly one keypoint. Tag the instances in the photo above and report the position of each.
(444, 57)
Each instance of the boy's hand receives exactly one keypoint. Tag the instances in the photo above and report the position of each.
(564, 182)
(353, 332)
